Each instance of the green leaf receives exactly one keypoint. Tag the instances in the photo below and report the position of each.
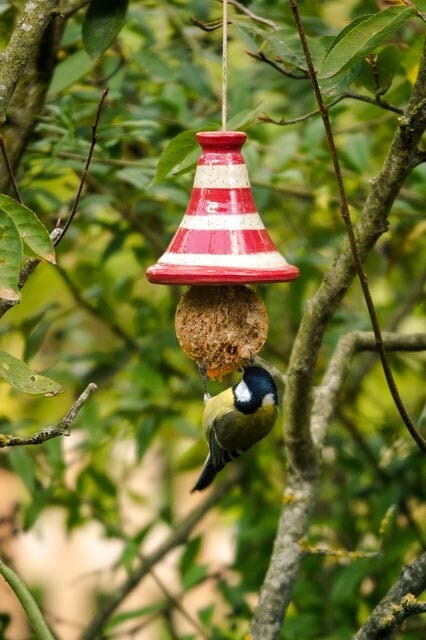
(23, 465)
(103, 21)
(132, 547)
(21, 377)
(135, 176)
(70, 71)
(134, 613)
(7, 15)
(191, 572)
(175, 152)
(32, 232)
(244, 119)
(181, 147)
(42, 498)
(190, 554)
(145, 434)
(102, 480)
(286, 45)
(348, 580)
(11, 256)
(339, 82)
(361, 37)
(206, 615)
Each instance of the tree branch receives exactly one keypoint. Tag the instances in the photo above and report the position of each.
(47, 433)
(349, 345)
(22, 46)
(303, 464)
(399, 603)
(413, 297)
(350, 231)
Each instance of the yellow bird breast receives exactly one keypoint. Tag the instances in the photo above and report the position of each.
(235, 430)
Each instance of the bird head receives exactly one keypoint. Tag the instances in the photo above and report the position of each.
(256, 389)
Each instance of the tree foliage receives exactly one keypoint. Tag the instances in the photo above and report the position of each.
(93, 317)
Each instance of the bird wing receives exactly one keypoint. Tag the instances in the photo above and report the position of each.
(215, 461)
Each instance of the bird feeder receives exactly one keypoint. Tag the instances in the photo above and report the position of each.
(220, 250)
(221, 238)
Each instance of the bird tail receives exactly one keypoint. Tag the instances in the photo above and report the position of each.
(214, 463)
(207, 475)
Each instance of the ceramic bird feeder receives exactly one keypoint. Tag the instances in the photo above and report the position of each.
(221, 239)
(222, 247)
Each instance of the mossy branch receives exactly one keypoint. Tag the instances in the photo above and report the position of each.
(399, 603)
(22, 46)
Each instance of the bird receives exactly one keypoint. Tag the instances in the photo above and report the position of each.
(237, 418)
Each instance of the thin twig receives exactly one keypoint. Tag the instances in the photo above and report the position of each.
(70, 11)
(377, 101)
(177, 537)
(86, 168)
(30, 606)
(214, 25)
(276, 64)
(252, 15)
(420, 14)
(47, 433)
(405, 305)
(344, 209)
(283, 122)
(176, 603)
(327, 394)
(343, 96)
(10, 170)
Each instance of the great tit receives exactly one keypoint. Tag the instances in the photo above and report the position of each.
(237, 418)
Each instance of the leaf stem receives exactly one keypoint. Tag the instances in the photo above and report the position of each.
(30, 606)
(344, 210)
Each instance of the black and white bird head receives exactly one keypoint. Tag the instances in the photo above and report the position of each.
(256, 389)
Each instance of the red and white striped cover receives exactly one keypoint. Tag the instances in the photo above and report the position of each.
(221, 238)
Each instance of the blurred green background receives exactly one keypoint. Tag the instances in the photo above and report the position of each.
(96, 318)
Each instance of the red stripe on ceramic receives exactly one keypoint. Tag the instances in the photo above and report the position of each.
(230, 157)
(192, 275)
(222, 147)
(221, 242)
(209, 201)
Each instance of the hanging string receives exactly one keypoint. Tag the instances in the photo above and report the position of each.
(224, 63)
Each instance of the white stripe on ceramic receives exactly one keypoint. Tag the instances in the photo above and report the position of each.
(221, 176)
(223, 222)
(267, 260)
